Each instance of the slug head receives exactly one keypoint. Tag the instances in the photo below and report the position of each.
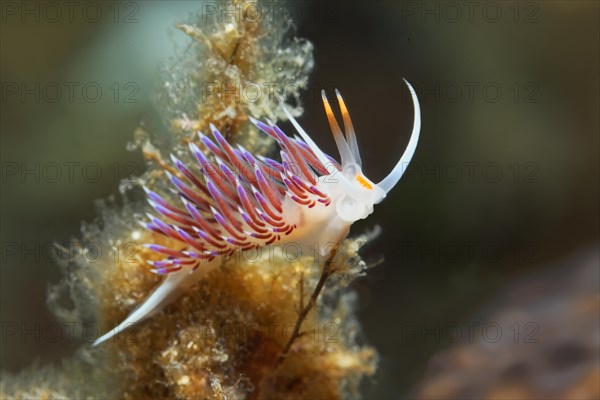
(357, 194)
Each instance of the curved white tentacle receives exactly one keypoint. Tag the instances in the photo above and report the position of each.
(393, 177)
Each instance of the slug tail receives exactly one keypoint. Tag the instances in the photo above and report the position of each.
(166, 292)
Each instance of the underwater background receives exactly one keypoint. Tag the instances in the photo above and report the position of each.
(490, 241)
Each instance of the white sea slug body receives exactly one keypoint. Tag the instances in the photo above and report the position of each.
(240, 202)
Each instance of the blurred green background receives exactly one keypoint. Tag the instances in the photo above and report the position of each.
(504, 181)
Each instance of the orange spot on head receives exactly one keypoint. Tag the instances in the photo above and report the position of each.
(364, 182)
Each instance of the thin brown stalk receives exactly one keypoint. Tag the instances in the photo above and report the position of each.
(325, 274)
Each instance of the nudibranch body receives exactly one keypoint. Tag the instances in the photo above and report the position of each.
(240, 202)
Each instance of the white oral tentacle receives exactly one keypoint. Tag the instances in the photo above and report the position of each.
(393, 177)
